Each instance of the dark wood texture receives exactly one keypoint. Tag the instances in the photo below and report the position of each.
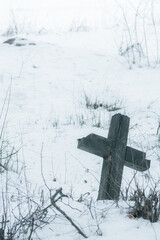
(136, 159)
(95, 144)
(113, 164)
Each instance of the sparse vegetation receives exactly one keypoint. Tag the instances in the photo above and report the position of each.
(20, 214)
(96, 104)
(137, 34)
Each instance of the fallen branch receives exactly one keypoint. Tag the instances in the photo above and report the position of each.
(53, 202)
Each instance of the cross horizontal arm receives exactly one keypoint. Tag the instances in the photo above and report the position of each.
(95, 144)
(101, 147)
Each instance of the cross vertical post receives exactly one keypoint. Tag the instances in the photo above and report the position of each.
(112, 170)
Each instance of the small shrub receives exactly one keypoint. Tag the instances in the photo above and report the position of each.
(146, 205)
(133, 54)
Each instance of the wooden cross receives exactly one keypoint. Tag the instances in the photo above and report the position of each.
(116, 154)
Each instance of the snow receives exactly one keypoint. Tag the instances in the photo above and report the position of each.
(50, 74)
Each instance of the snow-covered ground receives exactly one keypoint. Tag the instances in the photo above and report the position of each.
(50, 76)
